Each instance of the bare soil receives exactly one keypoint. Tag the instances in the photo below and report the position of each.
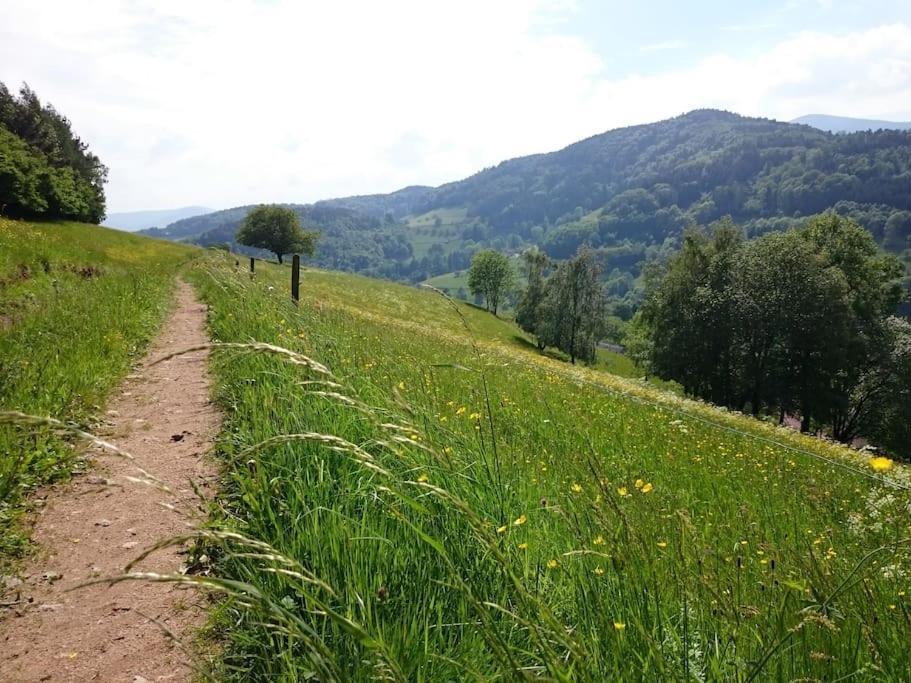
(93, 526)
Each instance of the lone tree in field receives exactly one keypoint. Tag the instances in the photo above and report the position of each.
(573, 311)
(491, 276)
(277, 229)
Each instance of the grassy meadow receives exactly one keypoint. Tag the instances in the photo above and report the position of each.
(411, 492)
(78, 303)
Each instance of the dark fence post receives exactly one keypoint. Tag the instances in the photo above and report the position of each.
(295, 277)
(252, 265)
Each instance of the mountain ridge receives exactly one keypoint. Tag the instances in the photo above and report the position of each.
(849, 124)
(629, 193)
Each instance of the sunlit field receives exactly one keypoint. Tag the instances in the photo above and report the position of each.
(418, 495)
(78, 303)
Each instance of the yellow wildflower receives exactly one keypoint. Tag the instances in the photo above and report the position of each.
(599, 540)
(461, 410)
(401, 386)
(423, 478)
(474, 416)
(598, 570)
(881, 464)
(639, 484)
(622, 491)
(576, 488)
(619, 625)
(502, 529)
(552, 564)
(520, 520)
(662, 544)
(523, 546)
(647, 488)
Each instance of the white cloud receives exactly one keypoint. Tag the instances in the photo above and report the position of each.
(223, 103)
(663, 46)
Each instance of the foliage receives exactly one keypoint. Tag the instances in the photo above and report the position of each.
(492, 276)
(528, 311)
(46, 171)
(572, 314)
(493, 514)
(885, 389)
(793, 323)
(78, 304)
(278, 229)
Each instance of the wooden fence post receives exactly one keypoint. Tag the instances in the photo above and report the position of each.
(252, 265)
(295, 277)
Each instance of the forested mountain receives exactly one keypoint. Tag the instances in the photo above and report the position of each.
(46, 170)
(847, 124)
(629, 193)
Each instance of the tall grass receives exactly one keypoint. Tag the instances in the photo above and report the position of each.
(437, 508)
(78, 304)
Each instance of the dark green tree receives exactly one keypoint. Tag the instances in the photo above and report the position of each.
(690, 312)
(786, 298)
(882, 397)
(276, 229)
(528, 310)
(873, 292)
(574, 308)
(46, 171)
(491, 276)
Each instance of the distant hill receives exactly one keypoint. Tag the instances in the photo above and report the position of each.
(140, 220)
(349, 240)
(629, 193)
(846, 124)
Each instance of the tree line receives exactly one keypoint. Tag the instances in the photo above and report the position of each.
(46, 170)
(797, 324)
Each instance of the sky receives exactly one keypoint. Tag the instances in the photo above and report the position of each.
(222, 103)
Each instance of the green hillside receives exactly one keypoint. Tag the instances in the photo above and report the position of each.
(629, 193)
(78, 303)
(441, 502)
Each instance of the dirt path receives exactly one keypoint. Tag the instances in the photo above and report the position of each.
(95, 525)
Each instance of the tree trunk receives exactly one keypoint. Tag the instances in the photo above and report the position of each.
(805, 422)
(754, 401)
(279, 258)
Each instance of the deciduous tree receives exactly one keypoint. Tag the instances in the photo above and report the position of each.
(491, 276)
(574, 308)
(277, 229)
(528, 311)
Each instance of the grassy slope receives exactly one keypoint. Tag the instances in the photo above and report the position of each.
(543, 518)
(77, 304)
(424, 231)
(450, 282)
